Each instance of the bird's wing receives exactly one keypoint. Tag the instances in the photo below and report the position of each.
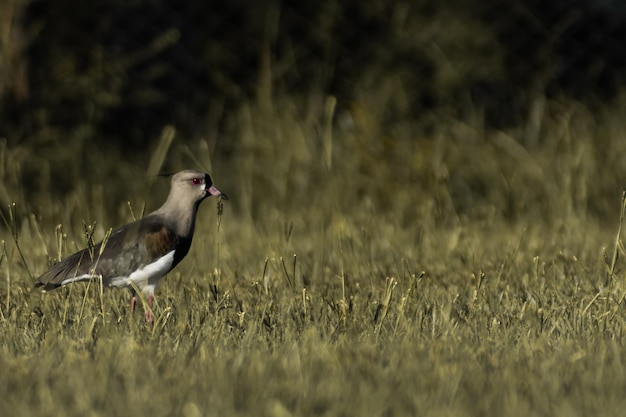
(127, 249)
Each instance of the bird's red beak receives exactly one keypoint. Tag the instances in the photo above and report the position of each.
(212, 190)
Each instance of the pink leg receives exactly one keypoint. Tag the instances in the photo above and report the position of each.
(149, 317)
(133, 301)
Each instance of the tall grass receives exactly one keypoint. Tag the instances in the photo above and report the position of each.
(355, 271)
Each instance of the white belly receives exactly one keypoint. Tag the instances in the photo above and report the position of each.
(145, 278)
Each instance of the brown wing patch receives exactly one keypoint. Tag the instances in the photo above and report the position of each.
(159, 241)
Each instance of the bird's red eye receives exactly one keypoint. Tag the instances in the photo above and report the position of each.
(196, 181)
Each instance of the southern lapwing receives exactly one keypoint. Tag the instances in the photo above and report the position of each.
(140, 253)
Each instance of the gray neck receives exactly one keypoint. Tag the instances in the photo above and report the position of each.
(179, 215)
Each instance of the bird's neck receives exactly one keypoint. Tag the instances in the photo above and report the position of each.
(180, 216)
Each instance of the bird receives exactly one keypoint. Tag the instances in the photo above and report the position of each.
(138, 254)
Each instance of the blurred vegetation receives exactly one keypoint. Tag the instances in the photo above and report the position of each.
(426, 82)
(424, 205)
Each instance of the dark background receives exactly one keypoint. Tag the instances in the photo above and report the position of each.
(484, 106)
(127, 68)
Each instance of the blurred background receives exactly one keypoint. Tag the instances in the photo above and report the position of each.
(418, 109)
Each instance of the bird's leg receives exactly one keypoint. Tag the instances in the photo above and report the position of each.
(149, 317)
(133, 301)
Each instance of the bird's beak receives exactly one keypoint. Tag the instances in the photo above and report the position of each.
(212, 190)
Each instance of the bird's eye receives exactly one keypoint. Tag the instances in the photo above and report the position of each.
(196, 181)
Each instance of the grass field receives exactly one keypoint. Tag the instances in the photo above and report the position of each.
(356, 271)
